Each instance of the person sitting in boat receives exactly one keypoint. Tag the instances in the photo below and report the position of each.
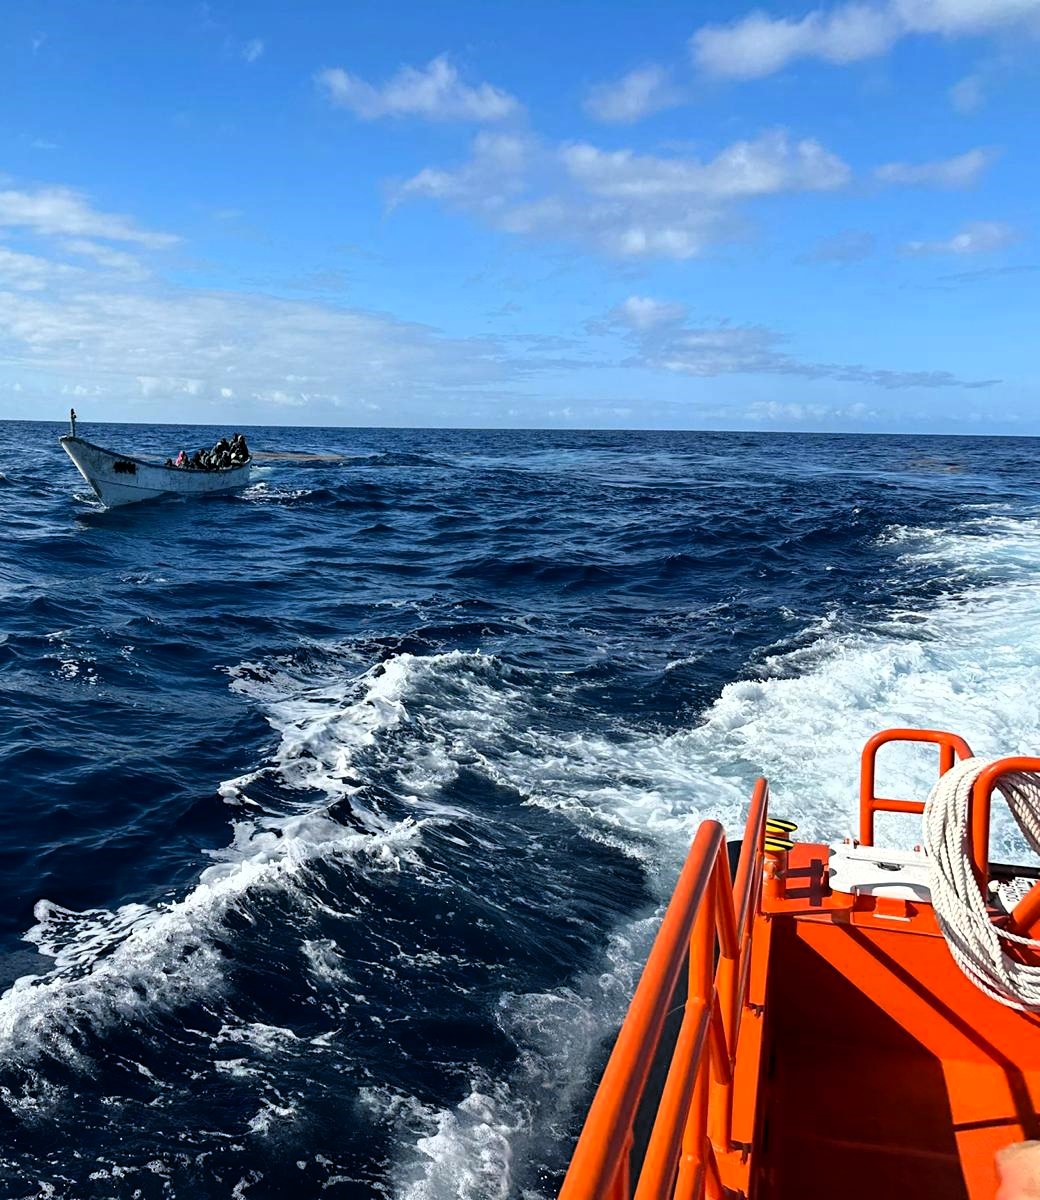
(181, 460)
(239, 450)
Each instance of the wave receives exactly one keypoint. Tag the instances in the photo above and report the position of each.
(112, 967)
(969, 665)
(369, 766)
(397, 458)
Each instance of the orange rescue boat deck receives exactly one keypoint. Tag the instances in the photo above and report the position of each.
(829, 1045)
(888, 1071)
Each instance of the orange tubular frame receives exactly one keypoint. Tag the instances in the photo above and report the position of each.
(708, 914)
(1028, 910)
(702, 1143)
(951, 747)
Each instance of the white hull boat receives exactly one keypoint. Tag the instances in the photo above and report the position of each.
(121, 479)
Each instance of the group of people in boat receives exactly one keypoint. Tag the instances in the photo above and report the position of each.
(224, 454)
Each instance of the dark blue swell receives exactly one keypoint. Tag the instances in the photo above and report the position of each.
(314, 1029)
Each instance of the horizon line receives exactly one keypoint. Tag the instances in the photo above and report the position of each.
(539, 429)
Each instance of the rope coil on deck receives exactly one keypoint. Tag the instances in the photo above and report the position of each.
(977, 945)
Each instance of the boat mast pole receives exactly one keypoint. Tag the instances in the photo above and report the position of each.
(72, 420)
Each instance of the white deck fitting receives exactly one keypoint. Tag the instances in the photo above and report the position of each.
(876, 871)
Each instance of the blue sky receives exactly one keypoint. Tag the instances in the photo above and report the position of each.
(549, 214)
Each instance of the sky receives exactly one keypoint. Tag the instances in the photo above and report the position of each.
(549, 214)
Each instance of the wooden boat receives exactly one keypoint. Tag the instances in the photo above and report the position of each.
(810, 1027)
(122, 479)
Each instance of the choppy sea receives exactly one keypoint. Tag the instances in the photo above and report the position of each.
(338, 814)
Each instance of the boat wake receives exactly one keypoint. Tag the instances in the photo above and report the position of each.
(443, 877)
(973, 659)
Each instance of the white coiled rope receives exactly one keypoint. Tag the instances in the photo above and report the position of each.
(974, 941)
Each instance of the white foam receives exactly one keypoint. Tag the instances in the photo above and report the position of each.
(326, 724)
(969, 665)
(469, 1152)
(270, 1116)
(801, 723)
(262, 492)
(464, 1152)
(112, 967)
(268, 1039)
(330, 969)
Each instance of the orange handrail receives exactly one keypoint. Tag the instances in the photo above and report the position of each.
(709, 927)
(708, 914)
(979, 806)
(950, 747)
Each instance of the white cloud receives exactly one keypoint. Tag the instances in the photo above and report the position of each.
(758, 44)
(632, 230)
(777, 412)
(634, 96)
(979, 237)
(953, 17)
(95, 325)
(435, 92)
(497, 169)
(196, 343)
(643, 312)
(30, 273)
(620, 203)
(964, 170)
(767, 165)
(118, 261)
(253, 49)
(967, 95)
(980, 274)
(668, 342)
(64, 212)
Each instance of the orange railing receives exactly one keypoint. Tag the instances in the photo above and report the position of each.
(979, 806)
(707, 928)
(951, 747)
(708, 924)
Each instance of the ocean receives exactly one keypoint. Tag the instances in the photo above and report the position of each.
(338, 814)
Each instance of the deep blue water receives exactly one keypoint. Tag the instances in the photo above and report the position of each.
(337, 813)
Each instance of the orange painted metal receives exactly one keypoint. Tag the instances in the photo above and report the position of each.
(829, 1045)
(677, 1109)
(598, 1157)
(979, 808)
(747, 880)
(1026, 915)
(893, 1072)
(950, 746)
(709, 916)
